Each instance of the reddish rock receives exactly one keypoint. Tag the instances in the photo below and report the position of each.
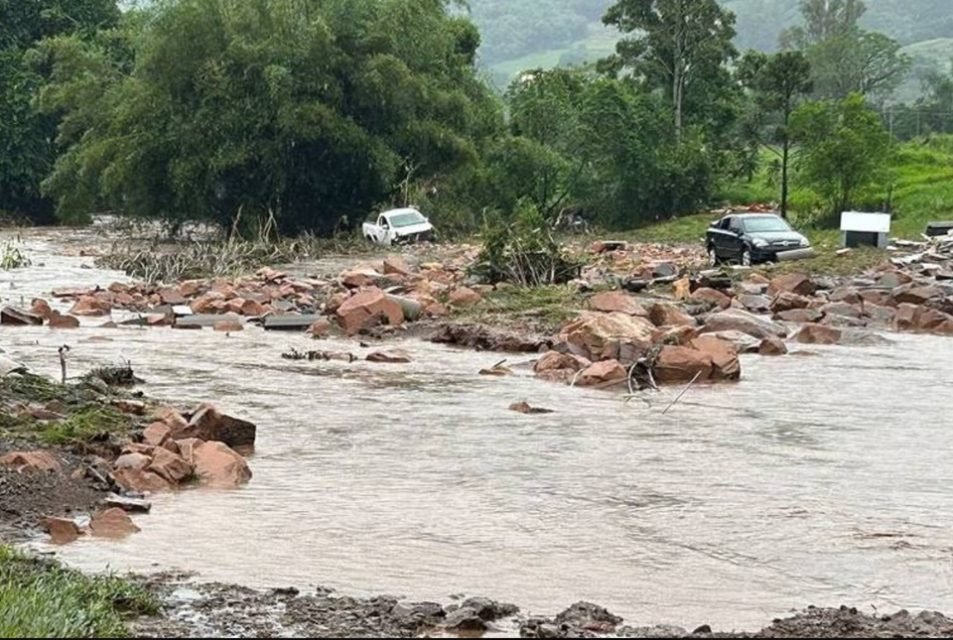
(617, 301)
(723, 354)
(879, 314)
(772, 346)
(915, 294)
(208, 303)
(597, 336)
(792, 283)
(253, 308)
(930, 319)
(464, 297)
(715, 297)
(785, 301)
(436, 310)
(554, 360)
(667, 315)
(681, 335)
(219, 466)
(682, 364)
(91, 306)
(172, 296)
(800, 315)
(842, 309)
(138, 447)
(61, 530)
(894, 279)
(319, 329)
(335, 301)
(156, 434)
(228, 326)
(758, 279)
(190, 288)
(41, 307)
(141, 480)
(395, 265)
(171, 417)
(907, 317)
(385, 357)
(738, 320)
(112, 523)
(32, 461)
(525, 408)
(235, 305)
(367, 309)
(601, 372)
(210, 425)
(359, 278)
(59, 321)
(877, 296)
(186, 448)
(170, 466)
(818, 334)
(845, 294)
(18, 317)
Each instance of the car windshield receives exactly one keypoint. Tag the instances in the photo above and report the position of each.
(765, 223)
(406, 219)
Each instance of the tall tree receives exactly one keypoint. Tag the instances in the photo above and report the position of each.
(779, 83)
(823, 20)
(672, 45)
(845, 148)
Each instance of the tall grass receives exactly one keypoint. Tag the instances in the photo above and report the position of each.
(40, 599)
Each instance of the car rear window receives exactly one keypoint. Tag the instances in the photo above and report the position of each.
(765, 224)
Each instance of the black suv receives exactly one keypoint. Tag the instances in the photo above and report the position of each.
(748, 238)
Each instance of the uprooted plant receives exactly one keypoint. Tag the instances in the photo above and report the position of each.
(13, 258)
(523, 251)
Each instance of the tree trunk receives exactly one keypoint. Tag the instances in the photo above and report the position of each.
(785, 151)
(677, 100)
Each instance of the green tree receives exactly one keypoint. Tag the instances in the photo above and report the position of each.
(674, 45)
(778, 83)
(845, 148)
(308, 112)
(27, 151)
(823, 20)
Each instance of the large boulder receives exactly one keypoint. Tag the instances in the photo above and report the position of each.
(915, 294)
(367, 309)
(682, 364)
(800, 316)
(738, 320)
(712, 296)
(772, 347)
(61, 530)
(140, 480)
(663, 314)
(208, 424)
(755, 303)
(554, 360)
(818, 334)
(112, 523)
(170, 466)
(597, 336)
(742, 342)
(617, 301)
(91, 306)
(792, 283)
(463, 297)
(601, 372)
(785, 301)
(724, 357)
(31, 461)
(219, 466)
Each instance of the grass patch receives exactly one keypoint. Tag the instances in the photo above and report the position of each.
(86, 424)
(545, 308)
(41, 599)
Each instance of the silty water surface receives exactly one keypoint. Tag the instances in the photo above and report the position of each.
(818, 479)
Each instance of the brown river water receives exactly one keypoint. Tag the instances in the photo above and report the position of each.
(816, 480)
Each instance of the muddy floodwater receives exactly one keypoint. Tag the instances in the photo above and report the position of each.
(819, 479)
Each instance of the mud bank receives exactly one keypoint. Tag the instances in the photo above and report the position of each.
(222, 610)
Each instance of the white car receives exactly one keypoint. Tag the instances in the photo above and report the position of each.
(398, 226)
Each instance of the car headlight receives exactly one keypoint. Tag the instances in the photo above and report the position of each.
(759, 242)
(805, 243)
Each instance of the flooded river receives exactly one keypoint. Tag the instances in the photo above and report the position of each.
(819, 479)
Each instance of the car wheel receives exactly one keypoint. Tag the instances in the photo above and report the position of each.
(746, 257)
(713, 256)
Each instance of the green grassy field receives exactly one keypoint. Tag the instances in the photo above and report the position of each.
(40, 599)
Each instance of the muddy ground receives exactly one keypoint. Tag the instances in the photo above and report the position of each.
(219, 610)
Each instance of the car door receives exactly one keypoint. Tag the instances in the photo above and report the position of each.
(720, 238)
(385, 230)
(734, 245)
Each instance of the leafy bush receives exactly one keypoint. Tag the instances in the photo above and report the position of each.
(13, 258)
(523, 251)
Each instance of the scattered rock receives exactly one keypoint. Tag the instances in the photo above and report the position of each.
(368, 308)
(738, 320)
(140, 480)
(588, 617)
(524, 407)
(132, 505)
(723, 354)
(682, 364)
(464, 619)
(597, 336)
(319, 329)
(112, 523)
(219, 466)
(482, 338)
(388, 357)
(41, 307)
(17, 317)
(208, 424)
(617, 301)
(60, 321)
(713, 296)
(792, 283)
(134, 461)
(157, 434)
(32, 461)
(668, 315)
(464, 297)
(772, 346)
(601, 372)
(91, 306)
(490, 610)
(170, 466)
(818, 334)
(800, 316)
(755, 303)
(785, 301)
(61, 530)
(915, 294)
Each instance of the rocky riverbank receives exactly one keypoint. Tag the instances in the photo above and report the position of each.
(221, 610)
